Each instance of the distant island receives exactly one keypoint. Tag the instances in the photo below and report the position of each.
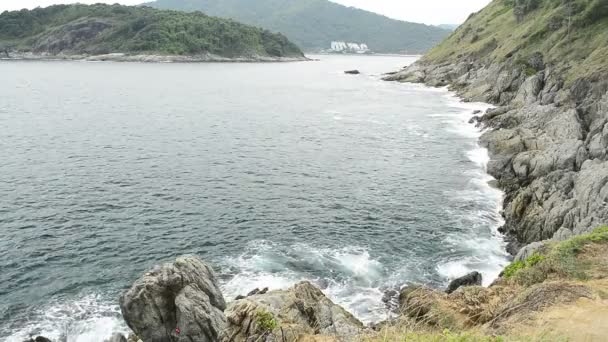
(314, 24)
(127, 33)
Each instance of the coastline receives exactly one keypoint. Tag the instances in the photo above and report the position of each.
(536, 139)
(147, 58)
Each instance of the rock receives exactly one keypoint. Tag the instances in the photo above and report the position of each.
(471, 279)
(528, 250)
(391, 300)
(38, 339)
(117, 337)
(176, 302)
(474, 119)
(475, 112)
(352, 72)
(528, 92)
(133, 338)
(286, 314)
(257, 291)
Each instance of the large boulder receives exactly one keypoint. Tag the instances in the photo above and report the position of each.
(179, 302)
(285, 315)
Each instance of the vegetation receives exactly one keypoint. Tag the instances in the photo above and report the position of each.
(314, 24)
(570, 34)
(265, 321)
(514, 267)
(100, 29)
(560, 260)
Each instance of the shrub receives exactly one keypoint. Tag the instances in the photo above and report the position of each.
(531, 261)
(265, 321)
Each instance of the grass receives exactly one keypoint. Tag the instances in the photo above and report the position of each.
(560, 260)
(516, 266)
(578, 47)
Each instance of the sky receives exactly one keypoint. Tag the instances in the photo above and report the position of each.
(431, 12)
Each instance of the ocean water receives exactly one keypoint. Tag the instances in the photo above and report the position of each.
(274, 173)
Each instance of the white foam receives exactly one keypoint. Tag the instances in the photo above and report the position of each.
(88, 319)
(355, 285)
(483, 245)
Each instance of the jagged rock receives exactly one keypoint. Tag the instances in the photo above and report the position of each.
(529, 90)
(352, 72)
(286, 314)
(471, 279)
(117, 337)
(176, 302)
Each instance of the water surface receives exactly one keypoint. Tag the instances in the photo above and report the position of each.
(274, 173)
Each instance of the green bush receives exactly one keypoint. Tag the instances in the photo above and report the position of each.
(531, 261)
(265, 321)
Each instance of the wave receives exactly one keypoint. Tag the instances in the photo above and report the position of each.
(91, 318)
(483, 247)
(349, 276)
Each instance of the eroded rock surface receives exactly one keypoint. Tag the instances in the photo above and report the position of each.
(284, 315)
(179, 302)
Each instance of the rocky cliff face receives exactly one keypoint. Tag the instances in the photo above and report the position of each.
(548, 136)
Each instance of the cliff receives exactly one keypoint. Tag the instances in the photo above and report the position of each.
(115, 32)
(544, 64)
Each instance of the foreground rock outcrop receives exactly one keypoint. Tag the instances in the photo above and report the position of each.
(285, 315)
(182, 302)
(176, 302)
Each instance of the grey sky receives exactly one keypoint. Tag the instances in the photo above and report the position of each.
(424, 11)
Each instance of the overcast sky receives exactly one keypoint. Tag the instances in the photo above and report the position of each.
(422, 11)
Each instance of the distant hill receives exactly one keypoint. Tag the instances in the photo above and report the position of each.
(450, 27)
(101, 29)
(314, 24)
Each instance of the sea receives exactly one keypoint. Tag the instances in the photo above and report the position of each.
(273, 173)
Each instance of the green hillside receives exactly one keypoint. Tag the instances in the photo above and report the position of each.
(569, 33)
(314, 24)
(101, 29)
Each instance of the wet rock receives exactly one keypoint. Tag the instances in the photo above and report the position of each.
(471, 279)
(38, 339)
(117, 337)
(257, 291)
(391, 300)
(283, 315)
(352, 72)
(176, 302)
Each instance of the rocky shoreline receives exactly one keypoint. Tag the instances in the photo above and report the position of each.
(144, 58)
(547, 141)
